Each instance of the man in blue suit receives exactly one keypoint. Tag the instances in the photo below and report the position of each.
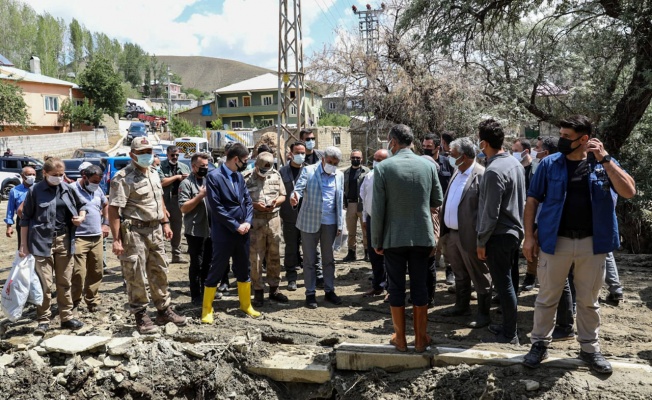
(320, 220)
(231, 215)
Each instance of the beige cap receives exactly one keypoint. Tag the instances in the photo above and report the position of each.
(141, 143)
(265, 161)
(83, 166)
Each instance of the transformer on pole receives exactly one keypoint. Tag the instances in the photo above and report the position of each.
(291, 88)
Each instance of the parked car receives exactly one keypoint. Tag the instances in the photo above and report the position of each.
(72, 166)
(136, 129)
(89, 153)
(111, 165)
(10, 169)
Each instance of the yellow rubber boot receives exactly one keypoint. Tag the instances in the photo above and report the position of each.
(244, 293)
(207, 305)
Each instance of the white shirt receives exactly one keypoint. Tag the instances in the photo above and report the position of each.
(367, 194)
(455, 196)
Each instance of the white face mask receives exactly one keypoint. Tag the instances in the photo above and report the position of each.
(518, 156)
(299, 158)
(310, 144)
(30, 179)
(533, 153)
(92, 187)
(55, 180)
(453, 161)
(330, 169)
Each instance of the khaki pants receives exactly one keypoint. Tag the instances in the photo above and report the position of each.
(588, 278)
(466, 265)
(58, 266)
(352, 218)
(143, 262)
(264, 244)
(88, 269)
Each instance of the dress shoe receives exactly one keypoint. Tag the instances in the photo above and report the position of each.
(331, 297)
(311, 301)
(41, 329)
(72, 324)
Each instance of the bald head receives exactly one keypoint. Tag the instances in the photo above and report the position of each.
(380, 155)
(29, 176)
(29, 171)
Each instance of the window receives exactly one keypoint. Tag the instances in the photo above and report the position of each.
(246, 101)
(293, 94)
(267, 99)
(51, 104)
(236, 124)
(267, 122)
(293, 110)
(336, 139)
(232, 102)
(79, 102)
(332, 105)
(13, 164)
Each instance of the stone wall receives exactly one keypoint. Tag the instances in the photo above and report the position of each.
(56, 144)
(334, 136)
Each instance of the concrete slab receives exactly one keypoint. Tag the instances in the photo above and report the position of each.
(287, 363)
(70, 344)
(364, 357)
(6, 359)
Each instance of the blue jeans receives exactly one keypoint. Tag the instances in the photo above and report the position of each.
(325, 238)
(500, 256)
(611, 275)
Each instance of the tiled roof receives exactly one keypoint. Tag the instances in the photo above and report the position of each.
(12, 73)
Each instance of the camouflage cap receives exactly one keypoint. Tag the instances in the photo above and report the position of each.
(141, 143)
(265, 161)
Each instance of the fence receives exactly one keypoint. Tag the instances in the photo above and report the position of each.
(56, 144)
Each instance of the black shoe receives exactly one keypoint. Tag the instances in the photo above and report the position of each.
(41, 329)
(558, 335)
(320, 283)
(350, 256)
(596, 361)
(292, 286)
(450, 276)
(331, 297)
(72, 324)
(499, 337)
(259, 298)
(366, 256)
(615, 298)
(311, 301)
(196, 301)
(278, 296)
(495, 328)
(538, 352)
(528, 283)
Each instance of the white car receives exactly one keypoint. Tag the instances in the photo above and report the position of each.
(9, 180)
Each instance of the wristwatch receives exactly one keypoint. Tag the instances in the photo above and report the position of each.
(605, 159)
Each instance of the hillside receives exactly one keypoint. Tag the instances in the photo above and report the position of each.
(207, 73)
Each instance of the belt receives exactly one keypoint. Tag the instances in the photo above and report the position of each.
(136, 223)
(266, 215)
(575, 233)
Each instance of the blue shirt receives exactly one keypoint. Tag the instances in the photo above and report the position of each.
(548, 187)
(16, 198)
(92, 225)
(329, 214)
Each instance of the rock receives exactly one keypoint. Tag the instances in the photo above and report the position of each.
(193, 352)
(58, 369)
(151, 337)
(11, 371)
(118, 377)
(171, 329)
(40, 350)
(6, 359)
(119, 346)
(93, 362)
(232, 395)
(38, 362)
(531, 385)
(61, 380)
(133, 371)
(105, 333)
(135, 334)
(115, 317)
(70, 344)
(112, 361)
(21, 347)
(118, 351)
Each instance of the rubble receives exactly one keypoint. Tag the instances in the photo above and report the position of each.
(73, 344)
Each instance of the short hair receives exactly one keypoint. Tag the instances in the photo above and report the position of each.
(435, 139)
(23, 171)
(402, 133)
(172, 149)
(551, 144)
(92, 170)
(304, 132)
(579, 123)
(334, 152)
(263, 148)
(53, 163)
(525, 143)
(464, 146)
(492, 132)
(297, 143)
(237, 150)
(227, 146)
(448, 137)
(197, 156)
(356, 151)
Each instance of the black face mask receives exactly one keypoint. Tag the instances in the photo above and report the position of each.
(565, 145)
(355, 163)
(202, 171)
(242, 167)
(428, 152)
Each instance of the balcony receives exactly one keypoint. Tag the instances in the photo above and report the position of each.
(242, 110)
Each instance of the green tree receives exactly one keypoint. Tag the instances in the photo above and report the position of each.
(13, 110)
(102, 85)
(78, 115)
(49, 43)
(182, 127)
(133, 62)
(217, 124)
(332, 119)
(76, 44)
(17, 32)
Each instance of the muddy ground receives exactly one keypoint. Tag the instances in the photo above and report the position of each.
(203, 362)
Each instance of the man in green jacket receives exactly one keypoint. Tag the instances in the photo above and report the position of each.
(406, 190)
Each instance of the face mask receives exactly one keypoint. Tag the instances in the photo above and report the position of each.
(92, 187)
(242, 167)
(310, 144)
(172, 162)
(518, 156)
(144, 160)
(535, 164)
(481, 154)
(299, 158)
(533, 154)
(330, 169)
(375, 164)
(428, 152)
(565, 145)
(55, 180)
(262, 172)
(453, 161)
(202, 171)
(389, 149)
(355, 163)
(158, 168)
(30, 179)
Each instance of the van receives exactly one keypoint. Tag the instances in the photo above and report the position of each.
(110, 166)
(191, 145)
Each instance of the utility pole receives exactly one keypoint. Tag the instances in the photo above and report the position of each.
(291, 89)
(369, 34)
(169, 103)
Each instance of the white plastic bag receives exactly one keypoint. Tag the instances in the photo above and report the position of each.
(341, 239)
(16, 289)
(35, 295)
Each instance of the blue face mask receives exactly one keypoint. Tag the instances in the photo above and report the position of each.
(144, 160)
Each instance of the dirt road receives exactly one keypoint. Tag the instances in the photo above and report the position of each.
(199, 361)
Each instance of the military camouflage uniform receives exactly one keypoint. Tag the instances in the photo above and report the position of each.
(266, 228)
(140, 197)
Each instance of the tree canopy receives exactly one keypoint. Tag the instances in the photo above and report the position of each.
(102, 85)
(13, 110)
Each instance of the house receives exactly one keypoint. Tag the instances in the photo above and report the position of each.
(175, 89)
(348, 102)
(43, 95)
(201, 115)
(253, 103)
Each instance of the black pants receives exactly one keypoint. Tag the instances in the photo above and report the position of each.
(414, 260)
(500, 257)
(432, 276)
(292, 258)
(515, 276)
(201, 253)
(237, 250)
(377, 261)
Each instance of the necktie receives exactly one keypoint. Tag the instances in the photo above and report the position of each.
(234, 179)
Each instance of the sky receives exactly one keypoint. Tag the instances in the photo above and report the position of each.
(243, 30)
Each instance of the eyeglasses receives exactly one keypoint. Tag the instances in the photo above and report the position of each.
(173, 156)
(312, 139)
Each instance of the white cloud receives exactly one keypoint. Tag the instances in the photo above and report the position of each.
(244, 30)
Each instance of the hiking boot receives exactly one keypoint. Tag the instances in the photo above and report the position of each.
(538, 352)
(461, 307)
(350, 256)
(72, 324)
(168, 315)
(559, 335)
(331, 297)
(311, 301)
(596, 362)
(41, 329)
(292, 286)
(259, 298)
(528, 282)
(144, 324)
(482, 318)
(277, 296)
